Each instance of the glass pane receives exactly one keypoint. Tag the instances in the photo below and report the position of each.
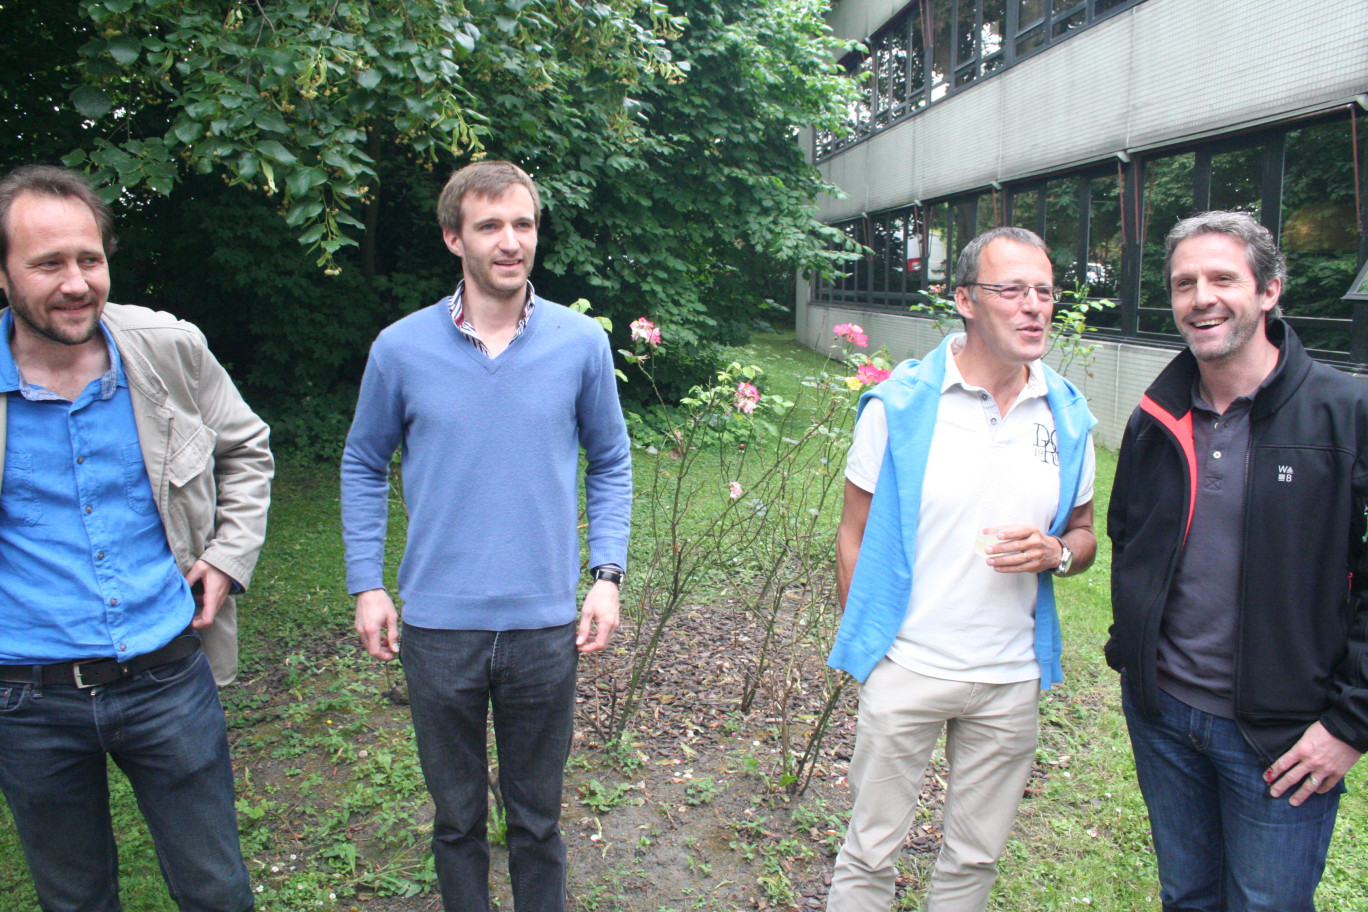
(897, 77)
(987, 212)
(966, 224)
(1064, 23)
(914, 237)
(897, 254)
(881, 79)
(938, 244)
(1168, 198)
(941, 45)
(846, 280)
(1061, 230)
(1236, 180)
(994, 27)
(1033, 41)
(966, 75)
(916, 63)
(1103, 272)
(966, 33)
(1026, 209)
(860, 285)
(1029, 12)
(1319, 232)
(860, 108)
(1101, 7)
(878, 262)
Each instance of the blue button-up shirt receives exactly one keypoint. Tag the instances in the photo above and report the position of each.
(85, 568)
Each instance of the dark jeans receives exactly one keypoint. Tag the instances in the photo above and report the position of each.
(1223, 844)
(165, 730)
(528, 677)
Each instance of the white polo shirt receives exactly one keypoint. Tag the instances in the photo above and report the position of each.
(965, 621)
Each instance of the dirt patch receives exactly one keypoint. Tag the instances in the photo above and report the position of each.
(688, 812)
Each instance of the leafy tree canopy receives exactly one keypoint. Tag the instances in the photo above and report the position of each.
(662, 133)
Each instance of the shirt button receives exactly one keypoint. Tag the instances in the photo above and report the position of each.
(99, 555)
(983, 396)
(992, 421)
(80, 459)
(123, 647)
(1216, 455)
(113, 602)
(89, 508)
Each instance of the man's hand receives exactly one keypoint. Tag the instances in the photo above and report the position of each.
(1022, 549)
(215, 588)
(1026, 549)
(599, 619)
(1318, 761)
(378, 623)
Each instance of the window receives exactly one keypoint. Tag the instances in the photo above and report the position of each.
(1319, 232)
(1106, 224)
(1169, 197)
(937, 47)
(892, 270)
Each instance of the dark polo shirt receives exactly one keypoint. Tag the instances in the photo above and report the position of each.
(1196, 660)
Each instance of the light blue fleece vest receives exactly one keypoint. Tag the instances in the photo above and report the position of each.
(882, 585)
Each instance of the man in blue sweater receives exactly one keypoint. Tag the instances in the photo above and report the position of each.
(491, 394)
(968, 487)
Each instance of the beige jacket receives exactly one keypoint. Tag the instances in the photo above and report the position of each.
(206, 453)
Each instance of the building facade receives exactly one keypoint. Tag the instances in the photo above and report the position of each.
(1098, 124)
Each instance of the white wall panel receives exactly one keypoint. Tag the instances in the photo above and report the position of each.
(1159, 73)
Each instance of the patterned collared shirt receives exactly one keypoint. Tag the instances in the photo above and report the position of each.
(457, 309)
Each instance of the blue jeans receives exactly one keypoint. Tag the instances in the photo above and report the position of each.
(1223, 844)
(164, 728)
(528, 678)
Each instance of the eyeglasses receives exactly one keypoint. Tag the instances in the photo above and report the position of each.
(1014, 294)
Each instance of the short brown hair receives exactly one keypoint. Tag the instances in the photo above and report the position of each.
(57, 183)
(488, 179)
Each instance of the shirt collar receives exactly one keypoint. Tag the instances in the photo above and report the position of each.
(12, 379)
(456, 307)
(1035, 373)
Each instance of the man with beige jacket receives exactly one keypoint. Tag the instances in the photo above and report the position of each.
(132, 505)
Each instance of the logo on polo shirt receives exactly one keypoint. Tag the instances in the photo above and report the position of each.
(1046, 445)
(1285, 473)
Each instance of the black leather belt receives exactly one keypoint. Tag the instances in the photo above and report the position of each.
(87, 673)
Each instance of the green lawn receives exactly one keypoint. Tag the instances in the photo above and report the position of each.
(1082, 838)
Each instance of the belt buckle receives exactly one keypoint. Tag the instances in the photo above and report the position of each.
(76, 674)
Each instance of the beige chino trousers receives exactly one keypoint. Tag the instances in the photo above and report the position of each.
(991, 735)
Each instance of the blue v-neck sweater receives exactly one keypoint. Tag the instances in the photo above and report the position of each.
(882, 585)
(490, 450)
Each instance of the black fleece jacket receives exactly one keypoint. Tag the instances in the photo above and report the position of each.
(1301, 650)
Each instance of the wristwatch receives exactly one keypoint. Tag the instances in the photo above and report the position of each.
(610, 574)
(1065, 558)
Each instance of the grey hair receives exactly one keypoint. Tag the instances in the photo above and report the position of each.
(967, 266)
(1266, 261)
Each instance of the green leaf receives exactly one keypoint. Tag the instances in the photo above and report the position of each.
(368, 79)
(92, 103)
(274, 150)
(125, 49)
(270, 120)
(301, 180)
(187, 131)
(303, 211)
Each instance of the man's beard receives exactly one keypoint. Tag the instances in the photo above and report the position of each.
(25, 314)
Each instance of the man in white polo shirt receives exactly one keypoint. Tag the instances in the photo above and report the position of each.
(969, 487)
